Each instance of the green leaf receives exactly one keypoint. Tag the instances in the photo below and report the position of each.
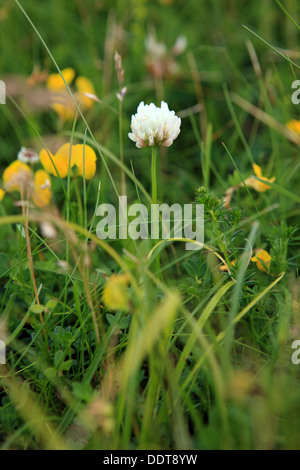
(58, 358)
(82, 391)
(51, 304)
(110, 318)
(37, 308)
(124, 323)
(50, 372)
(21, 229)
(190, 268)
(66, 365)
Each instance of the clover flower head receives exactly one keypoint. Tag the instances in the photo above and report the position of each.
(157, 49)
(161, 61)
(154, 126)
(28, 156)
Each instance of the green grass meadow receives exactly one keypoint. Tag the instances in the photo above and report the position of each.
(135, 344)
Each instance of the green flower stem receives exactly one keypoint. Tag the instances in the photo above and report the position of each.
(154, 196)
(153, 176)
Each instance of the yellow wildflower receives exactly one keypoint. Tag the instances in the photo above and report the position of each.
(55, 81)
(58, 164)
(17, 174)
(77, 153)
(66, 109)
(262, 260)
(63, 103)
(224, 267)
(115, 294)
(84, 85)
(84, 153)
(53, 164)
(259, 186)
(294, 126)
(41, 193)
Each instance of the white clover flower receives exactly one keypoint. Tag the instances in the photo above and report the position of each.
(28, 156)
(154, 126)
(155, 48)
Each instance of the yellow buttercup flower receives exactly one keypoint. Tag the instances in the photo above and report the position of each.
(294, 126)
(64, 106)
(41, 193)
(258, 185)
(84, 85)
(262, 260)
(115, 292)
(54, 164)
(66, 109)
(63, 103)
(60, 160)
(85, 154)
(55, 81)
(75, 154)
(16, 175)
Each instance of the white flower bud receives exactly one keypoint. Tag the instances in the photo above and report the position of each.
(180, 45)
